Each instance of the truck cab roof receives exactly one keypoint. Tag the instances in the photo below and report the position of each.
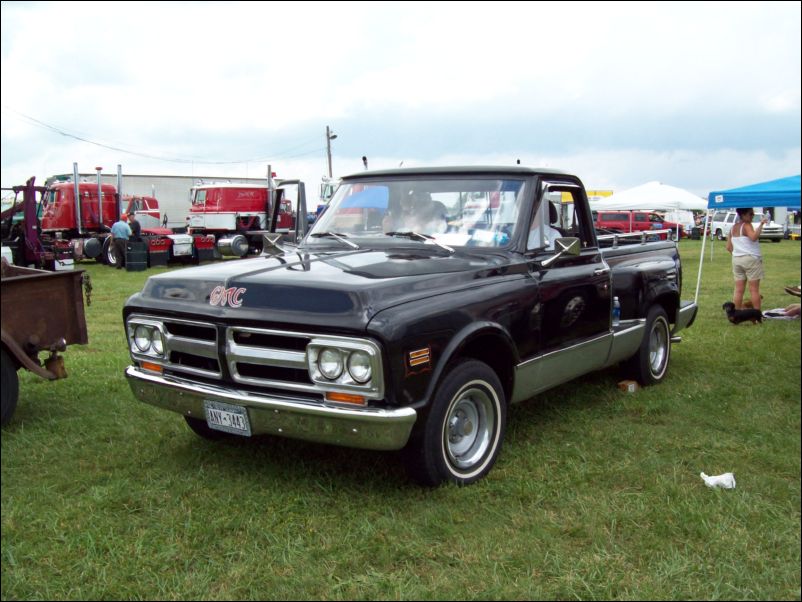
(456, 170)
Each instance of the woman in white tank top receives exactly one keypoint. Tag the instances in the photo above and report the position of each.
(747, 261)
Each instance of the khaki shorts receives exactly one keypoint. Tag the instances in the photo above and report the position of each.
(747, 267)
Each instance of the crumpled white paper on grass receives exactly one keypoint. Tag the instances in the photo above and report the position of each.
(725, 481)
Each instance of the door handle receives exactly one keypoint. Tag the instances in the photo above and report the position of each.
(601, 271)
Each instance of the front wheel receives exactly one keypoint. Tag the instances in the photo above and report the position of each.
(461, 436)
(649, 365)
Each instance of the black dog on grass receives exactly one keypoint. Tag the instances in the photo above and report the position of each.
(736, 316)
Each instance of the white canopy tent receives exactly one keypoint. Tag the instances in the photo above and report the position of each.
(652, 196)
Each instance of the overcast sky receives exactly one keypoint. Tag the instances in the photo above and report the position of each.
(702, 96)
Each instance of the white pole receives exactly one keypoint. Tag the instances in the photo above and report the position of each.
(702, 256)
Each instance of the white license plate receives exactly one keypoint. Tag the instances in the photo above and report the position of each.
(179, 250)
(226, 417)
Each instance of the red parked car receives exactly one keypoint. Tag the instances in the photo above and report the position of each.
(634, 221)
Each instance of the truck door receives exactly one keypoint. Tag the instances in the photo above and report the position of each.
(574, 303)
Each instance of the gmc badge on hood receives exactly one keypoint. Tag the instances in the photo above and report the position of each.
(223, 296)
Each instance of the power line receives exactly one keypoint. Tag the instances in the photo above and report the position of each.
(63, 132)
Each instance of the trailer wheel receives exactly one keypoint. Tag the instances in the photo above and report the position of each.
(461, 436)
(9, 387)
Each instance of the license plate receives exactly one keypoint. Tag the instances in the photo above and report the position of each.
(227, 418)
(182, 250)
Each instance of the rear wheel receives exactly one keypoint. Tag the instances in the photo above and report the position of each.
(9, 387)
(649, 365)
(462, 434)
(109, 256)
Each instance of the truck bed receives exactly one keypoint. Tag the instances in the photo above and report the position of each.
(41, 310)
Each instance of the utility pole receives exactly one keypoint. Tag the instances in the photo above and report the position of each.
(329, 138)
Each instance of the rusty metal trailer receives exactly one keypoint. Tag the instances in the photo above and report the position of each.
(42, 312)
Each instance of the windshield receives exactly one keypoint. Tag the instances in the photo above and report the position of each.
(481, 212)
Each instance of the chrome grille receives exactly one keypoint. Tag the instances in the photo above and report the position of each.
(189, 347)
(281, 361)
(268, 358)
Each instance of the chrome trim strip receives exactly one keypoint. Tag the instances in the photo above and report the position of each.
(554, 368)
(626, 340)
(685, 316)
(365, 428)
(264, 356)
(191, 346)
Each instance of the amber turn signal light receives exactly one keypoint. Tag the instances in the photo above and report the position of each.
(346, 398)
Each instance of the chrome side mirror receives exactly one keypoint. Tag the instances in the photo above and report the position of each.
(563, 246)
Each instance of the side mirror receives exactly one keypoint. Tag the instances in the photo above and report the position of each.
(568, 246)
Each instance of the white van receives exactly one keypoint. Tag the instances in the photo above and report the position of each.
(682, 217)
(723, 221)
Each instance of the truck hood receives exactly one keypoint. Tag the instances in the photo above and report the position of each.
(329, 290)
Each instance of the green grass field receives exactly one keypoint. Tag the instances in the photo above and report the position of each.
(596, 494)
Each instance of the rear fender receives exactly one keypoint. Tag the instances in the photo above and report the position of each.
(639, 285)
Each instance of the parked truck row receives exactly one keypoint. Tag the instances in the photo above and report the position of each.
(70, 220)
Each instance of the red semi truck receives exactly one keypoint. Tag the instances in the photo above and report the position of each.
(82, 229)
(238, 215)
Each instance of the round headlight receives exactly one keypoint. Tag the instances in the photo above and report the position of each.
(142, 338)
(330, 363)
(359, 366)
(157, 341)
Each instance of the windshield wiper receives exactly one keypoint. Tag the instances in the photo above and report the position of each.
(422, 237)
(336, 235)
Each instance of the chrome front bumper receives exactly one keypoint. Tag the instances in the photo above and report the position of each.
(365, 428)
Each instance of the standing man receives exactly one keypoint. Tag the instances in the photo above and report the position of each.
(136, 228)
(120, 233)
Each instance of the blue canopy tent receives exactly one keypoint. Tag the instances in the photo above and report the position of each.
(776, 193)
(783, 192)
(374, 197)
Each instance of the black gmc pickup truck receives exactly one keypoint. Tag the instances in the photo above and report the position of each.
(417, 308)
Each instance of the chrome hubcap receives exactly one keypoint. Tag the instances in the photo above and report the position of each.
(469, 427)
(658, 347)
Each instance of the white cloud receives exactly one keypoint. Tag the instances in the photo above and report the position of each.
(693, 94)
